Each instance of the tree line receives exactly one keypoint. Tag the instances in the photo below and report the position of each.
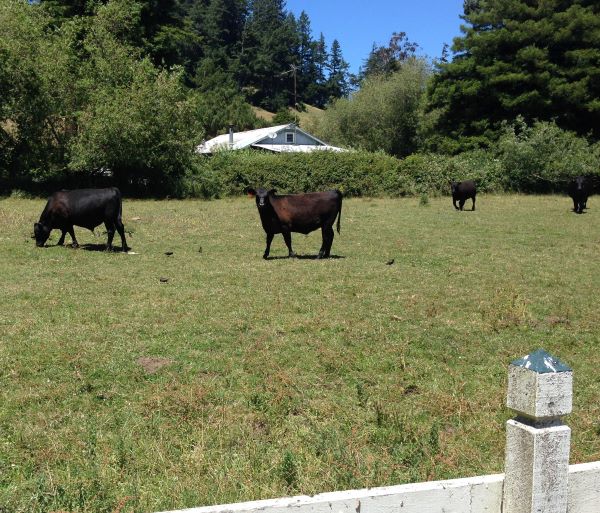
(251, 44)
(120, 90)
(517, 63)
(127, 88)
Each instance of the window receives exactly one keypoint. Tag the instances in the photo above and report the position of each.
(289, 138)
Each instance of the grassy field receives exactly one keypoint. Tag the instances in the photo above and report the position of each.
(240, 378)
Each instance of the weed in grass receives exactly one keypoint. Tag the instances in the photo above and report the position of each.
(289, 471)
(361, 395)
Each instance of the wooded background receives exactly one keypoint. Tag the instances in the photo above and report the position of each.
(118, 91)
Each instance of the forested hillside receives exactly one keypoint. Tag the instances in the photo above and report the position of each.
(120, 91)
(129, 87)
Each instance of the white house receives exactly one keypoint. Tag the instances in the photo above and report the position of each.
(282, 138)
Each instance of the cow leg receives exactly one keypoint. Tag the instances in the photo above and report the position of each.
(61, 241)
(110, 230)
(268, 248)
(461, 203)
(575, 205)
(287, 237)
(121, 230)
(454, 203)
(71, 231)
(327, 242)
(473, 203)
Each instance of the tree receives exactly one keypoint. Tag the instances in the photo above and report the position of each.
(266, 57)
(61, 10)
(307, 66)
(337, 84)
(316, 90)
(383, 115)
(387, 59)
(83, 99)
(539, 60)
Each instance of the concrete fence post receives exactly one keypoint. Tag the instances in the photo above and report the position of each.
(536, 475)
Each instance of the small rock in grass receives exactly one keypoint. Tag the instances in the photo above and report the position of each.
(163, 279)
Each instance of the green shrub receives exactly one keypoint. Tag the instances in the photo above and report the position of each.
(357, 173)
(431, 172)
(543, 158)
(353, 173)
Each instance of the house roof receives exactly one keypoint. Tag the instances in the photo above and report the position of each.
(301, 148)
(253, 138)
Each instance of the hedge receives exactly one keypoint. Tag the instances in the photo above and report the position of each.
(542, 158)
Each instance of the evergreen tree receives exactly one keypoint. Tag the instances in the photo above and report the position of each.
(316, 91)
(337, 84)
(307, 68)
(536, 59)
(266, 57)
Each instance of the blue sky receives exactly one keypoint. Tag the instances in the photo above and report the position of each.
(357, 24)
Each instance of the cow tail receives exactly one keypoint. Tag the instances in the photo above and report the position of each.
(120, 204)
(339, 213)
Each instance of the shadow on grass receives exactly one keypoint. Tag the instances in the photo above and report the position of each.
(305, 257)
(101, 247)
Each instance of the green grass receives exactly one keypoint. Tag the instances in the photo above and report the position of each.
(284, 376)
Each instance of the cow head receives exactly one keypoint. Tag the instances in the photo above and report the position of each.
(454, 187)
(41, 232)
(579, 183)
(261, 195)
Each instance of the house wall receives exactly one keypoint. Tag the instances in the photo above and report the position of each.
(280, 139)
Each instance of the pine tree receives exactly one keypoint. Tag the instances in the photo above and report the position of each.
(266, 57)
(337, 84)
(539, 60)
(316, 91)
(307, 68)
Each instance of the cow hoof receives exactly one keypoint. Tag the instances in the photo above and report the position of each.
(74, 245)
(266, 256)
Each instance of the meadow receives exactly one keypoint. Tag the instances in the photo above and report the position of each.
(239, 378)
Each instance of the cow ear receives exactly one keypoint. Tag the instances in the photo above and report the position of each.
(272, 191)
(250, 191)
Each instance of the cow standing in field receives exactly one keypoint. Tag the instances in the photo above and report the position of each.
(81, 207)
(301, 213)
(461, 191)
(580, 188)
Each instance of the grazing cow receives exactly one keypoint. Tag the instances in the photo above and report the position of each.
(302, 213)
(81, 207)
(461, 191)
(580, 188)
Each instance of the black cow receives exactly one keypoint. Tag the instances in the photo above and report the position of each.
(580, 188)
(81, 207)
(301, 213)
(461, 191)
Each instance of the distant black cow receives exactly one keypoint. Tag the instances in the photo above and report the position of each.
(82, 207)
(461, 191)
(302, 213)
(580, 188)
